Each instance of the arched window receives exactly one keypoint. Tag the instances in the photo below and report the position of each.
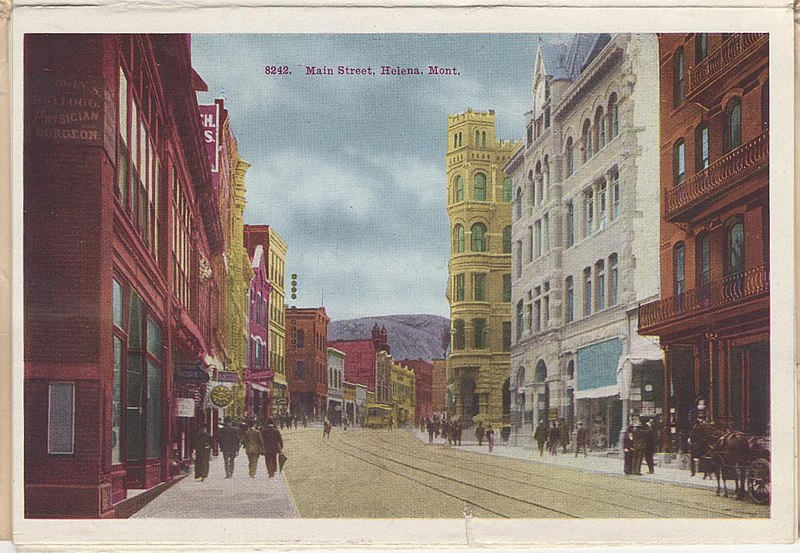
(600, 283)
(569, 159)
(613, 117)
(569, 310)
(546, 174)
(518, 207)
(703, 262)
(507, 239)
(679, 269)
(733, 125)
(483, 139)
(701, 147)
(587, 140)
(460, 139)
(587, 291)
(678, 78)
(458, 233)
(735, 261)
(532, 181)
(478, 237)
(541, 372)
(459, 189)
(507, 187)
(679, 162)
(613, 280)
(570, 370)
(700, 46)
(480, 187)
(455, 140)
(520, 319)
(459, 337)
(477, 138)
(600, 127)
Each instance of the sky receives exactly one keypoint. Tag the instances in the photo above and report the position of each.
(349, 170)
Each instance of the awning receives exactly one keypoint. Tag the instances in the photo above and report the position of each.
(594, 393)
(259, 387)
(596, 367)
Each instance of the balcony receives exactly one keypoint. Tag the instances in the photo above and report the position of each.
(733, 51)
(717, 294)
(688, 197)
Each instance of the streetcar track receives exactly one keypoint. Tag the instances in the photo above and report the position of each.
(456, 480)
(599, 488)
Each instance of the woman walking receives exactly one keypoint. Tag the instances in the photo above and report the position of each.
(490, 438)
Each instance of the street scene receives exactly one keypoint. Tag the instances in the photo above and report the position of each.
(397, 276)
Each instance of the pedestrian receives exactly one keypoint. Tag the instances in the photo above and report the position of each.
(294, 419)
(540, 435)
(326, 428)
(437, 424)
(391, 422)
(305, 421)
(563, 435)
(627, 449)
(345, 423)
(253, 444)
(459, 430)
(580, 440)
(230, 440)
(273, 445)
(552, 439)
(638, 448)
(480, 433)
(429, 424)
(490, 438)
(202, 453)
(649, 446)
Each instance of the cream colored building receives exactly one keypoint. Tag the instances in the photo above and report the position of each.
(585, 237)
(277, 316)
(479, 205)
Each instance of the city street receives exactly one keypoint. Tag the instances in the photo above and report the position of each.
(380, 473)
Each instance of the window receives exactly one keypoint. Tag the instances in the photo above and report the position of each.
(483, 139)
(615, 193)
(520, 319)
(569, 158)
(587, 141)
(61, 418)
(537, 309)
(300, 369)
(679, 269)
(613, 280)
(701, 154)
(570, 224)
(530, 310)
(547, 117)
(733, 125)
(735, 246)
(480, 333)
(530, 249)
(507, 188)
(506, 335)
(459, 284)
(678, 78)
(546, 305)
(455, 140)
(458, 334)
(600, 126)
(478, 237)
(519, 258)
(530, 134)
(569, 309)
(518, 206)
(538, 235)
(588, 201)
(700, 47)
(479, 286)
(532, 181)
(507, 239)
(613, 116)
(546, 225)
(301, 339)
(477, 138)
(703, 261)
(587, 291)
(546, 175)
(507, 288)
(459, 238)
(459, 189)
(600, 282)
(181, 242)
(601, 199)
(679, 162)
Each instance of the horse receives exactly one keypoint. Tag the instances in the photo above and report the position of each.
(730, 455)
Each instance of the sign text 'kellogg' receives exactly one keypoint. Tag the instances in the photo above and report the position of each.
(65, 109)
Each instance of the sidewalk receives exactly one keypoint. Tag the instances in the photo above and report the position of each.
(592, 463)
(220, 497)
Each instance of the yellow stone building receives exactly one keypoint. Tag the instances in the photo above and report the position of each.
(479, 198)
(277, 318)
(403, 384)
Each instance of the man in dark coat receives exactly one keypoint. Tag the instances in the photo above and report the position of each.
(254, 446)
(458, 431)
(480, 432)
(580, 440)
(230, 440)
(649, 446)
(202, 447)
(553, 437)
(627, 449)
(563, 435)
(638, 448)
(540, 436)
(429, 424)
(273, 445)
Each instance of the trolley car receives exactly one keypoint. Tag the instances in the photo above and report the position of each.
(378, 415)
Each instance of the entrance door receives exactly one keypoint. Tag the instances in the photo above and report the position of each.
(469, 399)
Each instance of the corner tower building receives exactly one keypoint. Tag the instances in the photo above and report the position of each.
(479, 291)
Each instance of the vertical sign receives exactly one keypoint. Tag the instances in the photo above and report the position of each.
(209, 118)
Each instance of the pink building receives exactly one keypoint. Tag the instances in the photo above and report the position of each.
(360, 356)
(258, 374)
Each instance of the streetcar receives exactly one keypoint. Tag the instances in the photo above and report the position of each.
(378, 415)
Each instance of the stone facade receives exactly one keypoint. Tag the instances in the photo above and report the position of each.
(585, 243)
(479, 206)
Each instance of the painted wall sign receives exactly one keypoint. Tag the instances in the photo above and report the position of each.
(209, 118)
(65, 109)
(184, 407)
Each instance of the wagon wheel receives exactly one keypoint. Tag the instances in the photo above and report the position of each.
(758, 481)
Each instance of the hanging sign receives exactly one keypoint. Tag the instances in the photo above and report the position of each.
(221, 396)
(191, 374)
(227, 376)
(184, 407)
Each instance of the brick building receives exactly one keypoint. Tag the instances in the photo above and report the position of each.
(258, 374)
(121, 303)
(439, 386)
(360, 362)
(713, 315)
(423, 373)
(307, 360)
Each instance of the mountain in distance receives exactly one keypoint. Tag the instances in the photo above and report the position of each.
(425, 337)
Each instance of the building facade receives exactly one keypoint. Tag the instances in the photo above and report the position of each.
(479, 291)
(403, 394)
(439, 386)
(360, 362)
(383, 378)
(335, 406)
(118, 203)
(423, 387)
(307, 361)
(585, 254)
(257, 377)
(713, 315)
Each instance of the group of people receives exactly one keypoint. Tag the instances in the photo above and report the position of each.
(639, 444)
(257, 437)
(558, 435)
(287, 421)
(449, 429)
(487, 433)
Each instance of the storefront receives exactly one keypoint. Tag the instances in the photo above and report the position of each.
(598, 392)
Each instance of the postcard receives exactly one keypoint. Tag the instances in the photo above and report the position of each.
(403, 277)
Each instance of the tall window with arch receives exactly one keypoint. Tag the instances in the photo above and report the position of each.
(532, 185)
(679, 162)
(569, 303)
(518, 206)
(507, 239)
(679, 269)
(587, 291)
(588, 210)
(507, 189)
(520, 319)
(613, 280)
(600, 127)
(546, 175)
(735, 246)
(700, 47)
(479, 191)
(477, 138)
(569, 157)
(483, 139)
(678, 78)
(600, 283)
(703, 262)
(587, 141)
(459, 189)
(616, 194)
(519, 259)
(602, 201)
(613, 117)
(702, 147)
(570, 224)
(732, 138)
(459, 238)
(478, 232)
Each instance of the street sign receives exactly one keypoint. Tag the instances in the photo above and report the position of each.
(227, 376)
(191, 374)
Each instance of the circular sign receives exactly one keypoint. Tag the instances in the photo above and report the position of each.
(221, 396)
(648, 387)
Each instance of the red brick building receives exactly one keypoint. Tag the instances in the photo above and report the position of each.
(713, 315)
(258, 374)
(121, 224)
(307, 360)
(360, 362)
(439, 386)
(423, 374)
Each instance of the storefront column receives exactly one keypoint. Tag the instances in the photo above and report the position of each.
(666, 414)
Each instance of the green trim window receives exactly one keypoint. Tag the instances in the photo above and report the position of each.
(480, 187)
(479, 286)
(507, 288)
(507, 189)
(507, 239)
(460, 238)
(459, 189)
(480, 333)
(478, 232)
(460, 287)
